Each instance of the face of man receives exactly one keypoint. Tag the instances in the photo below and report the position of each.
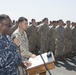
(60, 23)
(5, 26)
(68, 23)
(23, 25)
(50, 23)
(54, 24)
(46, 22)
(75, 24)
(72, 24)
(33, 22)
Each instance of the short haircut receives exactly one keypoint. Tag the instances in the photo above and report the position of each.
(45, 19)
(54, 21)
(42, 20)
(68, 21)
(50, 21)
(60, 20)
(32, 20)
(3, 17)
(75, 23)
(21, 19)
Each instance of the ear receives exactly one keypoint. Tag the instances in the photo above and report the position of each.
(20, 24)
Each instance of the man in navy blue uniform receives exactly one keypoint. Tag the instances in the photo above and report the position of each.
(9, 56)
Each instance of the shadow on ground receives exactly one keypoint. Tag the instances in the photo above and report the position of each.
(69, 64)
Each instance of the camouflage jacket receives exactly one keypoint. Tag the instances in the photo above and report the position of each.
(9, 57)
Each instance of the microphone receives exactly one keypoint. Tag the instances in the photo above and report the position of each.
(49, 54)
(13, 37)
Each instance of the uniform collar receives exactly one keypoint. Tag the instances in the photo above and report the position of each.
(7, 37)
(33, 25)
(60, 26)
(21, 32)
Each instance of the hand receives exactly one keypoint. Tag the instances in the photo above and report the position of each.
(27, 63)
(33, 56)
(16, 41)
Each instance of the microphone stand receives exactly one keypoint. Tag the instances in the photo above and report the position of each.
(45, 64)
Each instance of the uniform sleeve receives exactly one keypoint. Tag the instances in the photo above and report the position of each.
(24, 52)
(8, 56)
(40, 29)
(73, 34)
(13, 36)
(66, 34)
(49, 34)
(28, 31)
(57, 34)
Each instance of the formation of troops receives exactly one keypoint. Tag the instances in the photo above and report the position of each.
(57, 37)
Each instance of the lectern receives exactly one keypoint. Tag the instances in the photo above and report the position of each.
(40, 68)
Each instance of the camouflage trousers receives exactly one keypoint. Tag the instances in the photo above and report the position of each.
(44, 46)
(22, 70)
(59, 48)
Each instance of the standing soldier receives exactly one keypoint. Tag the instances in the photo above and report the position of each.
(59, 39)
(9, 56)
(19, 37)
(50, 23)
(68, 38)
(52, 37)
(74, 38)
(43, 33)
(32, 36)
(38, 36)
(13, 28)
(72, 24)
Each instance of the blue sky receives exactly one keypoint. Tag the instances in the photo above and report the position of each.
(38, 9)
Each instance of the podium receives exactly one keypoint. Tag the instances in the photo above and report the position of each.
(40, 68)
